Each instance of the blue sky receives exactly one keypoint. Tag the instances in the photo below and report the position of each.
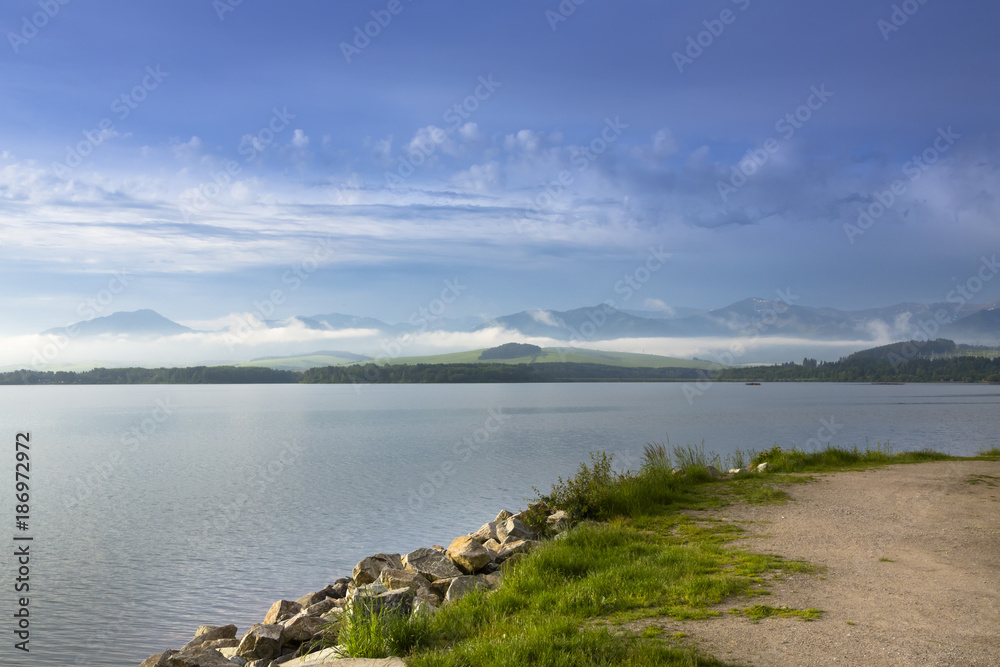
(209, 149)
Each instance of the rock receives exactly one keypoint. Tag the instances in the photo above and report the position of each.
(462, 586)
(159, 659)
(492, 545)
(198, 656)
(558, 521)
(394, 579)
(517, 547)
(231, 654)
(338, 589)
(440, 587)
(280, 611)
(515, 528)
(261, 642)
(395, 602)
(763, 467)
(208, 633)
(301, 628)
(369, 568)
(488, 531)
(320, 607)
(309, 599)
(220, 644)
(368, 590)
(493, 579)
(735, 471)
(330, 658)
(677, 471)
(713, 471)
(503, 516)
(468, 555)
(426, 601)
(490, 567)
(432, 564)
(332, 615)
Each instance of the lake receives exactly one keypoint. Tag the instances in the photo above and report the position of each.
(155, 509)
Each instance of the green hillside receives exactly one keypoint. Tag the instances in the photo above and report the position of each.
(303, 362)
(561, 355)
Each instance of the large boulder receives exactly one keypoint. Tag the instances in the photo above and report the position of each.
(280, 611)
(516, 529)
(516, 547)
(462, 586)
(369, 568)
(468, 555)
(301, 628)
(198, 656)
(488, 531)
(209, 633)
(394, 579)
(397, 602)
(558, 521)
(261, 642)
(492, 545)
(330, 658)
(320, 607)
(159, 659)
(503, 516)
(431, 563)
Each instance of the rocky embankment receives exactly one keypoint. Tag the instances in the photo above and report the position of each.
(413, 583)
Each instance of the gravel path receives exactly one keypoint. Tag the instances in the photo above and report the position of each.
(934, 601)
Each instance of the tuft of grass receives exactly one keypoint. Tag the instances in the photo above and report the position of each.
(365, 632)
(988, 480)
(991, 452)
(839, 458)
(883, 559)
(758, 612)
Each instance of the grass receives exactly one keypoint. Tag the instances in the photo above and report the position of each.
(831, 459)
(988, 480)
(363, 631)
(631, 554)
(993, 452)
(883, 559)
(759, 612)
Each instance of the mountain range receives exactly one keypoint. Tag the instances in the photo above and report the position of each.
(961, 322)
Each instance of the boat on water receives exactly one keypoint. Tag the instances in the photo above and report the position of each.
(889, 383)
(752, 384)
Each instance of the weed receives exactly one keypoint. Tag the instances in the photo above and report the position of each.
(991, 452)
(883, 559)
(758, 612)
(981, 479)
(365, 631)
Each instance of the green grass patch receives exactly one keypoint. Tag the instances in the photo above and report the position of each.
(988, 480)
(832, 459)
(759, 612)
(993, 452)
(883, 559)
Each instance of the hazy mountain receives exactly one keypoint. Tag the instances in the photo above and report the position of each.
(967, 323)
(981, 327)
(131, 323)
(601, 322)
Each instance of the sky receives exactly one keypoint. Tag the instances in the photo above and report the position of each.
(207, 159)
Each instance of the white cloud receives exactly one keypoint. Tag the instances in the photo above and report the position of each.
(664, 144)
(300, 139)
(469, 132)
(188, 149)
(659, 306)
(544, 317)
(525, 140)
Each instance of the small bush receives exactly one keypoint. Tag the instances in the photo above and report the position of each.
(585, 495)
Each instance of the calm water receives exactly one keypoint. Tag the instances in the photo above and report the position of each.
(158, 508)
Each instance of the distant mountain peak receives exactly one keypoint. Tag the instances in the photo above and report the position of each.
(142, 322)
